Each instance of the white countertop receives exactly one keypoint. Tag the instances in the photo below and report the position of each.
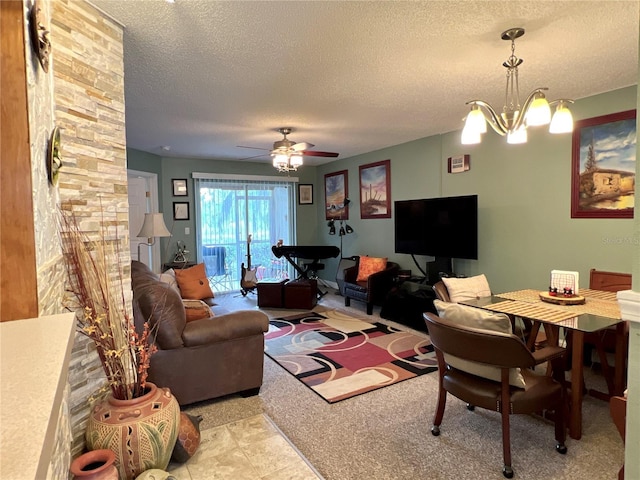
(34, 361)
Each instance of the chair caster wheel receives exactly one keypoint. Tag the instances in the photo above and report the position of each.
(470, 407)
(561, 448)
(507, 471)
(435, 430)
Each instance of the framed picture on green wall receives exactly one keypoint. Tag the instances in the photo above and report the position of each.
(375, 190)
(603, 166)
(181, 210)
(179, 186)
(336, 191)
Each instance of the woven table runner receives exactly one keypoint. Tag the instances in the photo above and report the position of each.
(596, 302)
(599, 294)
(534, 311)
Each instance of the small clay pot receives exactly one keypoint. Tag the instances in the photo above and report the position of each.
(95, 465)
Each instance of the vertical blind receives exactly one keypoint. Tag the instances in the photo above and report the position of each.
(229, 209)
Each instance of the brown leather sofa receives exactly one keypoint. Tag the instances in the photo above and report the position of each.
(201, 359)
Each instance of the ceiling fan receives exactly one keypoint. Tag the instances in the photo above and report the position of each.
(289, 147)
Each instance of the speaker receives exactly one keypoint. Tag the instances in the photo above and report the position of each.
(345, 262)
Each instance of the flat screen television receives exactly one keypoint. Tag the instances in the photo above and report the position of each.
(444, 227)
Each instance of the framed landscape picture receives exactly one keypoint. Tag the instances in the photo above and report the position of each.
(375, 190)
(603, 166)
(335, 193)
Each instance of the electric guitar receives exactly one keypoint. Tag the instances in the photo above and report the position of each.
(248, 278)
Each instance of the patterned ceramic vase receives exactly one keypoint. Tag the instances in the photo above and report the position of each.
(141, 432)
(95, 465)
(188, 438)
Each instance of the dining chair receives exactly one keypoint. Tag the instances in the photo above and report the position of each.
(604, 341)
(504, 352)
(529, 331)
(618, 410)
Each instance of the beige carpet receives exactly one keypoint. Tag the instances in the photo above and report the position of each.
(385, 434)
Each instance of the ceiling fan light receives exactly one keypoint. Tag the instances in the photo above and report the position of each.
(517, 136)
(476, 121)
(539, 113)
(296, 160)
(280, 159)
(562, 121)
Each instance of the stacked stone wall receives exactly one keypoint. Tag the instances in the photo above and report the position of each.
(88, 86)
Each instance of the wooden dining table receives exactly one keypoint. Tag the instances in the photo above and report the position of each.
(598, 312)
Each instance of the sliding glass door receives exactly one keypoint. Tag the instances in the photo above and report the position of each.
(230, 211)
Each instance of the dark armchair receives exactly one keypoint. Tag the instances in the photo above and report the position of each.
(371, 291)
(453, 340)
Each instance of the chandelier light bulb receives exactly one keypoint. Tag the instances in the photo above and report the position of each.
(539, 112)
(476, 121)
(562, 121)
(517, 136)
(469, 137)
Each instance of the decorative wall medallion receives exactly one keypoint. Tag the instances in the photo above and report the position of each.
(54, 157)
(40, 35)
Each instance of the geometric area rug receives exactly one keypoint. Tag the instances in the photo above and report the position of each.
(339, 356)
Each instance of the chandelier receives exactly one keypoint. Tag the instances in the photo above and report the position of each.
(515, 118)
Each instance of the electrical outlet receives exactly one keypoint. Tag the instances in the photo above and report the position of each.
(187, 230)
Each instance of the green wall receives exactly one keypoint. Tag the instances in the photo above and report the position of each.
(524, 193)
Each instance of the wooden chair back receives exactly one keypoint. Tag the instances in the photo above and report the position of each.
(609, 281)
(440, 289)
(502, 350)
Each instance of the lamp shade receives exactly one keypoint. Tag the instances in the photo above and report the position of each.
(469, 137)
(476, 121)
(562, 121)
(517, 136)
(539, 112)
(154, 226)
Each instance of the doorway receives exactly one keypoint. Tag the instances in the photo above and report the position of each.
(143, 198)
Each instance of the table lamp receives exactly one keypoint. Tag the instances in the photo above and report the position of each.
(152, 227)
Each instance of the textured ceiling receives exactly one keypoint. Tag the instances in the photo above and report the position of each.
(204, 76)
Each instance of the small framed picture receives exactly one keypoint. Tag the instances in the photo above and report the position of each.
(305, 194)
(458, 164)
(181, 210)
(179, 187)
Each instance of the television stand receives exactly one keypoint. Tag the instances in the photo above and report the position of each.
(407, 302)
(437, 266)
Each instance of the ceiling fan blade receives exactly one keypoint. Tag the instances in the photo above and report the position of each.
(254, 156)
(312, 153)
(254, 148)
(298, 147)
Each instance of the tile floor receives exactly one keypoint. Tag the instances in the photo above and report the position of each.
(251, 448)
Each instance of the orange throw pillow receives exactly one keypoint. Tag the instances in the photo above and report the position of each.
(369, 266)
(193, 282)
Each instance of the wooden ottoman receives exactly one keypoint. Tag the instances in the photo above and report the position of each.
(271, 293)
(301, 294)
